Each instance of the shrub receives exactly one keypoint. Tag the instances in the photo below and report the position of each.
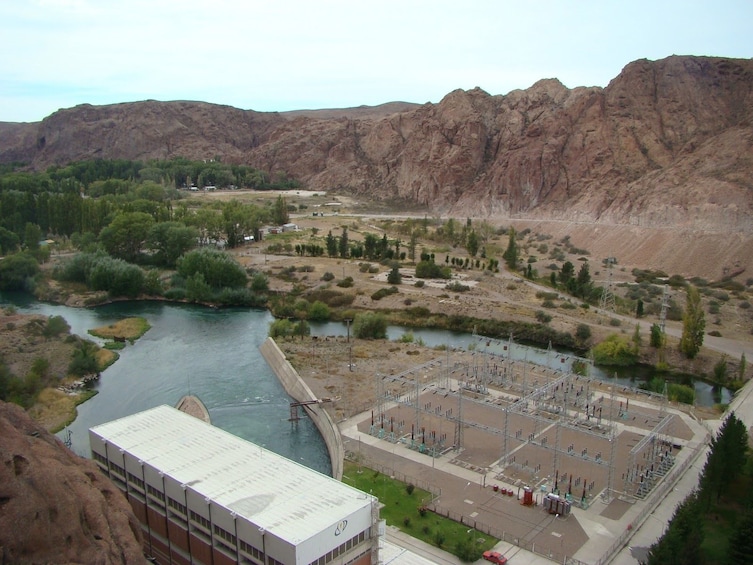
(370, 325)
(55, 326)
(418, 312)
(615, 350)
(347, 282)
(328, 276)
(409, 488)
(219, 269)
(543, 317)
(281, 328)
(430, 270)
(382, 292)
(319, 311)
(419, 284)
(456, 286)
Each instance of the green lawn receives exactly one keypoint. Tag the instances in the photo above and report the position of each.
(404, 511)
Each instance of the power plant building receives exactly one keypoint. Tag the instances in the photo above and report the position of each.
(205, 496)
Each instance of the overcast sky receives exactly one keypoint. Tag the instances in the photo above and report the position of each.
(302, 54)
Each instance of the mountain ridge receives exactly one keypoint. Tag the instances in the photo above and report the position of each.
(666, 144)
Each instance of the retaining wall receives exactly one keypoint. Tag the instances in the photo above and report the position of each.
(299, 390)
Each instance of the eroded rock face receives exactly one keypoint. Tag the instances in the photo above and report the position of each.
(56, 507)
(666, 144)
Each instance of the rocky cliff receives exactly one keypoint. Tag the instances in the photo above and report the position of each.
(666, 144)
(56, 507)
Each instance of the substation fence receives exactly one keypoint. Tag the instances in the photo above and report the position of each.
(654, 499)
(521, 542)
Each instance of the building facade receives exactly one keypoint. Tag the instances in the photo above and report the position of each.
(205, 496)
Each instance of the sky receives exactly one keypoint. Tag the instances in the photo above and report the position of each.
(279, 55)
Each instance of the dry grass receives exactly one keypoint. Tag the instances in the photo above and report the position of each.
(128, 328)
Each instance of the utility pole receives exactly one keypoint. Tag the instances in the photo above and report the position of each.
(350, 345)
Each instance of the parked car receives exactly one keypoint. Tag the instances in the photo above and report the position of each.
(495, 557)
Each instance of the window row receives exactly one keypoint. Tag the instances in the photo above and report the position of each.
(341, 549)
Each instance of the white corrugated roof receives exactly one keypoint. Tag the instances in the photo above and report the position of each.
(271, 491)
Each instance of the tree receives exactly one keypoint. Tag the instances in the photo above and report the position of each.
(343, 244)
(567, 273)
(511, 253)
(170, 240)
(583, 282)
(693, 324)
(280, 213)
(126, 235)
(412, 243)
(394, 276)
(472, 243)
(657, 337)
(331, 245)
(741, 368)
(17, 272)
(681, 543)
(9, 242)
(639, 309)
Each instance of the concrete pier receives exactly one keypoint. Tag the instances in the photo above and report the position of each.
(299, 390)
(192, 406)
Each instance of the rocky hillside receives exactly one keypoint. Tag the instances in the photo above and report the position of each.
(56, 506)
(666, 145)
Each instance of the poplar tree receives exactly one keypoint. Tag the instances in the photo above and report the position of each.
(693, 324)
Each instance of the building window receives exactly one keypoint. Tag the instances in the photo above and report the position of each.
(134, 481)
(116, 469)
(177, 506)
(100, 459)
(198, 519)
(224, 534)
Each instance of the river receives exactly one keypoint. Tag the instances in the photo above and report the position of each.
(214, 354)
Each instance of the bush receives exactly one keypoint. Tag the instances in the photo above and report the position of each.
(281, 328)
(543, 317)
(370, 325)
(18, 271)
(347, 282)
(382, 292)
(326, 277)
(55, 326)
(319, 311)
(419, 284)
(219, 269)
(430, 270)
(456, 286)
(615, 350)
(409, 488)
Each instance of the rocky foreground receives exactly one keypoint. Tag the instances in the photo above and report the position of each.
(57, 507)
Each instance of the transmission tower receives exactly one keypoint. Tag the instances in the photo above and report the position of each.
(607, 295)
(664, 308)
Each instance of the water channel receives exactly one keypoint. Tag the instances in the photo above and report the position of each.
(214, 354)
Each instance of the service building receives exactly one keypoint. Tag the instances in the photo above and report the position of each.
(205, 496)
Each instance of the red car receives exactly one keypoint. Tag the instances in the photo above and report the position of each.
(495, 557)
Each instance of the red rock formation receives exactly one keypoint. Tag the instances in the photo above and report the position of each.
(665, 144)
(56, 507)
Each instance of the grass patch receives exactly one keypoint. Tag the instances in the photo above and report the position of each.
(54, 409)
(105, 358)
(406, 511)
(128, 328)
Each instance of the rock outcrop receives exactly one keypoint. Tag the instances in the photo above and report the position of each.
(56, 507)
(666, 144)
